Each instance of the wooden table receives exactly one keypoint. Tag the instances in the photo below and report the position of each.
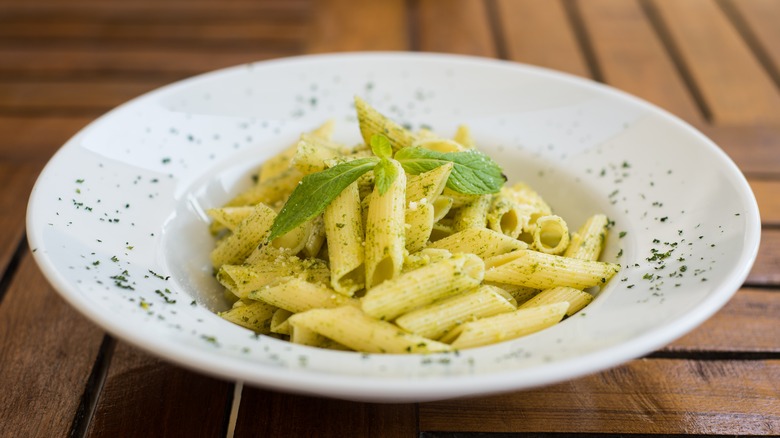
(716, 64)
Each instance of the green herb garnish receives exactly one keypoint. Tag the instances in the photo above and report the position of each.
(473, 173)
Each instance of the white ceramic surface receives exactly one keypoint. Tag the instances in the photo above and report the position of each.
(117, 224)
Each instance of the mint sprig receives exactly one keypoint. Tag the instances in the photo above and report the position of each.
(315, 192)
(473, 172)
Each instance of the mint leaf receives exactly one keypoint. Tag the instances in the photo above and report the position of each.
(315, 192)
(473, 172)
(385, 174)
(381, 147)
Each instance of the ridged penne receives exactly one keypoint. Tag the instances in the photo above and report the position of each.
(385, 232)
(482, 242)
(506, 326)
(248, 234)
(269, 191)
(227, 217)
(434, 320)
(372, 122)
(576, 298)
(419, 224)
(344, 232)
(422, 286)
(427, 185)
(255, 316)
(543, 271)
(473, 214)
(551, 235)
(296, 295)
(360, 332)
(588, 242)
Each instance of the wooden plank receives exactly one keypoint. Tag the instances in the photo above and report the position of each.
(175, 9)
(757, 20)
(644, 396)
(344, 25)
(733, 84)
(632, 58)
(36, 138)
(16, 181)
(539, 33)
(750, 322)
(266, 413)
(51, 97)
(155, 31)
(455, 26)
(766, 192)
(46, 353)
(171, 63)
(756, 150)
(766, 270)
(143, 396)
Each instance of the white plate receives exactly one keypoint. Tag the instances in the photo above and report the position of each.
(117, 223)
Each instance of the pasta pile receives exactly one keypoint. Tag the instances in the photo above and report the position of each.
(419, 267)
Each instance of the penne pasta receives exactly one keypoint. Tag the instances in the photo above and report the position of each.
(434, 320)
(506, 326)
(358, 331)
(543, 271)
(422, 286)
(344, 231)
(385, 232)
(482, 242)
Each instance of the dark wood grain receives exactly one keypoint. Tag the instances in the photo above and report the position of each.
(143, 396)
(266, 413)
(749, 322)
(49, 63)
(540, 33)
(632, 58)
(737, 90)
(16, 180)
(658, 396)
(343, 25)
(462, 26)
(757, 22)
(766, 270)
(46, 355)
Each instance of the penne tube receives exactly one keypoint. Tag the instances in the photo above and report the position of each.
(248, 234)
(507, 326)
(351, 327)
(243, 279)
(279, 322)
(474, 214)
(521, 294)
(296, 295)
(427, 185)
(463, 137)
(551, 235)
(282, 162)
(269, 191)
(422, 286)
(316, 237)
(344, 231)
(313, 153)
(227, 217)
(419, 224)
(434, 320)
(441, 207)
(482, 242)
(385, 232)
(543, 271)
(424, 257)
(255, 316)
(440, 145)
(576, 298)
(588, 242)
(372, 122)
(303, 336)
